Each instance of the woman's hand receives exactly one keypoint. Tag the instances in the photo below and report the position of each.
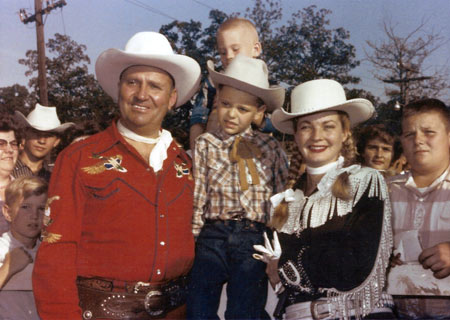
(272, 272)
(395, 260)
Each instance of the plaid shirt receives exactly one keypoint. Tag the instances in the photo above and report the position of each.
(217, 192)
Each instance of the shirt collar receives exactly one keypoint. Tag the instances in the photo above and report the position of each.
(227, 140)
(411, 184)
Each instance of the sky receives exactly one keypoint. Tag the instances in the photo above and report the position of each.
(103, 24)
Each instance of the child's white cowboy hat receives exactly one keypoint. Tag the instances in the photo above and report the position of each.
(43, 119)
(251, 76)
(321, 95)
(148, 49)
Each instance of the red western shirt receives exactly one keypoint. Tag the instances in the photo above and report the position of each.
(112, 217)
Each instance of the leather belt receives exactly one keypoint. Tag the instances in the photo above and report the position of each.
(321, 309)
(112, 299)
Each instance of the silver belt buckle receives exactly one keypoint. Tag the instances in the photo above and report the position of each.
(152, 312)
(316, 315)
(149, 295)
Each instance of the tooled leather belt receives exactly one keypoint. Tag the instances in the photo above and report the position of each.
(112, 299)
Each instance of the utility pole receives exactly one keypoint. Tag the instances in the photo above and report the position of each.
(37, 17)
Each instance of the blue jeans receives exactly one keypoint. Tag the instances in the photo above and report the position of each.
(224, 255)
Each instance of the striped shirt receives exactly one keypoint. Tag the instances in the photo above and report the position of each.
(218, 194)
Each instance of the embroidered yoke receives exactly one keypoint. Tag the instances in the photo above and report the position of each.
(338, 248)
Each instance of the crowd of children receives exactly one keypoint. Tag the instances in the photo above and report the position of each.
(321, 229)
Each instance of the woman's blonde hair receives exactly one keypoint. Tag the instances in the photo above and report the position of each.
(340, 188)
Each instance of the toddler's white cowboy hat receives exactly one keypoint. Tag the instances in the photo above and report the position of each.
(251, 76)
(148, 49)
(43, 119)
(321, 95)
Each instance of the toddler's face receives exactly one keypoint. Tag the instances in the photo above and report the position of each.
(232, 41)
(27, 220)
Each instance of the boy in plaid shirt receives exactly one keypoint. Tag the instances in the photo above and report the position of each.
(236, 172)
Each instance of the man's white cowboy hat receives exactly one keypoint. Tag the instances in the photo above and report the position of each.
(148, 49)
(251, 76)
(43, 119)
(321, 95)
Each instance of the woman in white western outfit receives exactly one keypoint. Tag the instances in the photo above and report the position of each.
(334, 220)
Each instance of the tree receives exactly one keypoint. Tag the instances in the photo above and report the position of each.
(75, 93)
(265, 15)
(190, 39)
(15, 97)
(400, 62)
(310, 50)
(294, 52)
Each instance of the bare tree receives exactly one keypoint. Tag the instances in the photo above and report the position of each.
(400, 62)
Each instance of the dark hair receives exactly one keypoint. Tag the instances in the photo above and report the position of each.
(378, 131)
(427, 105)
(9, 123)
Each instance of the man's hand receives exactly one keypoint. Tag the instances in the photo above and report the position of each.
(437, 259)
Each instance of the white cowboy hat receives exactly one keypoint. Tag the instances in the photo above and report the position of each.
(148, 49)
(249, 75)
(43, 119)
(321, 95)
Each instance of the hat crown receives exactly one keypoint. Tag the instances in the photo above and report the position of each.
(249, 70)
(316, 95)
(149, 42)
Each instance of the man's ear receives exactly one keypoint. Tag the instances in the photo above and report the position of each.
(57, 141)
(6, 210)
(257, 49)
(173, 99)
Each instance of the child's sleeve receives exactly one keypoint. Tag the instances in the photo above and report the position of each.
(200, 189)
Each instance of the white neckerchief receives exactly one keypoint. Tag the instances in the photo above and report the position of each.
(134, 136)
(159, 152)
(325, 168)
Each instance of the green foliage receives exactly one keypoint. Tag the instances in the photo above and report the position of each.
(309, 49)
(15, 97)
(75, 93)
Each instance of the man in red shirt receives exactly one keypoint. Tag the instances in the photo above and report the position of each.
(118, 242)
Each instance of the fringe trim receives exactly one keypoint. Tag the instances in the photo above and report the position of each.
(364, 298)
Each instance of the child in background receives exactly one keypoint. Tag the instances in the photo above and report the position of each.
(234, 36)
(236, 171)
(24, 208)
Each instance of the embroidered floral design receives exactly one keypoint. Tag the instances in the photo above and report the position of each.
(48, 236)
(107, 163)
(182, 170)
(47, 220)
(51, 237)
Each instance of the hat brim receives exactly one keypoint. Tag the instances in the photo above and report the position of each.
(358, 110)
(273, 97)
(24, 121)
(184, 70)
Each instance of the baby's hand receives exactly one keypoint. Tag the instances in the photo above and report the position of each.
(19, 258)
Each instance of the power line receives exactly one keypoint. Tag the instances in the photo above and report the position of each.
(204, 4)
(151, 9)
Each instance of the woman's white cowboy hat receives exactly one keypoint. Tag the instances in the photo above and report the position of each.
(251, 76)
(321, 95)
(43, 119)
(148, 49)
